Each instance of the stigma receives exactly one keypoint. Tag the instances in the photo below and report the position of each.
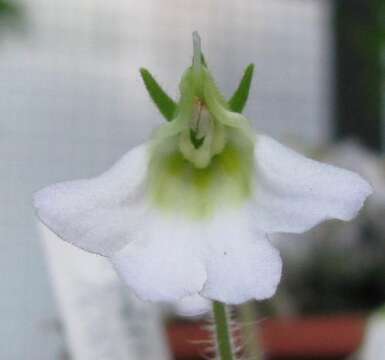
(204, 138)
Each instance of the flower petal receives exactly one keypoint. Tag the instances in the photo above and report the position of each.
(294, 193)
(241, 263)
(194, 305)
(373, 346)
(97, 214)
(163, 262)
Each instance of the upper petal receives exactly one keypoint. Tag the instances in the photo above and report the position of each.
(294, 193)
(97, 214)
(355, 157)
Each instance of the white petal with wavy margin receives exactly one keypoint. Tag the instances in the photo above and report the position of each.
(164, 262)
(294, 193)
(241, 263)
(98, 214)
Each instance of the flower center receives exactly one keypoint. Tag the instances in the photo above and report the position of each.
(177, 185)
(200, 124)
(204, 138)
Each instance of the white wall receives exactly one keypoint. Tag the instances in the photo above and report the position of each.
(71, 102)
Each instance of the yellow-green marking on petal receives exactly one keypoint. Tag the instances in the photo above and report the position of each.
(176, 184)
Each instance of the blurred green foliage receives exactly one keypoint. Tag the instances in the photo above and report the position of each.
(360, 47)
(10, 14)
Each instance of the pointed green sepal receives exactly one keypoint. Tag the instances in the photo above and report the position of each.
(238, 100)
(163, 102)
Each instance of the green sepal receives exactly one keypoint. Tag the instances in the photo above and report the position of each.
(163, 102)
(8, 8)
(238, 100)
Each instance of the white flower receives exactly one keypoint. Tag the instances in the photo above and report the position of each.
(190, 211)
(353, 156)
(194, 305)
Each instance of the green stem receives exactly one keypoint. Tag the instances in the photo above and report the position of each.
(222, 331)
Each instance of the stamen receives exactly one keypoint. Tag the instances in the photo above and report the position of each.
(197, 134)
(200, 106)
(201, 121)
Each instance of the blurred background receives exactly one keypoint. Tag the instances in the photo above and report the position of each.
(72, 102)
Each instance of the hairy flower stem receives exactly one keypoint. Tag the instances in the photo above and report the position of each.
(223, 332)
(248, 315)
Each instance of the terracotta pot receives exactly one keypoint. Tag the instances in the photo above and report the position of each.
(318, 337)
